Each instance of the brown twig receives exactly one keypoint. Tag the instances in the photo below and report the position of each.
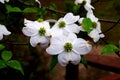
(113, 26)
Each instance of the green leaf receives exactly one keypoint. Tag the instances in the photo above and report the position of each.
(41, 12)
(30, 10)
(87, 25)
(54, 61)
(6, 55)
(13, 9)
(84, 61)
(2, 64)
(76, 8)
(15, 65)
(2, 46)
(53, 6)
(110, 48)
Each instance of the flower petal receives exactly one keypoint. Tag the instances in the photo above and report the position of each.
(4, 30)
(34, 40)
(63, 58)
(95, 35)
(92, 17)
(55, 47)
(29, 31)
(73, 28)
(81, 46)
(1, 36)
(71, 37)
(70, 18)
(46, 24)
(78, 2)
(75, 58)
(88, 7)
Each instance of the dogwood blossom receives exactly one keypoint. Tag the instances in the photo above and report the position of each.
(3, 31)
(37, 32)
(87, 4)
(3, 1)
(68, 48)
(66, 25)
(96, 33)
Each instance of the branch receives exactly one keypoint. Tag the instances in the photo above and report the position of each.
(25, 3)
(109, 21)
(113, 26)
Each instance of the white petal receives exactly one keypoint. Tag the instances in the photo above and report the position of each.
(75, 58)
(80, 20)
(71, 37)
(102, 35)
(56, 46)
(46, 25)
(95, 35)
(4, 30)
(73, 28)
(45, 45)
(70, 18)
(2, 1)
(38, 3)
(27, 21)
(63, 58)
(55, 31)
(81, 46)
(7, 0)
(34, 40)
(29, 31)
(88, 1)
(88, 7)
(1, 36)
(98, 27)
(92, 17)
(78, 2)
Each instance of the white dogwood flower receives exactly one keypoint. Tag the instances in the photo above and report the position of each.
(37, 32)
(3, 31)
(96, 33)
(3, 1)
(68, 48)
(66, 25)
(87, 4)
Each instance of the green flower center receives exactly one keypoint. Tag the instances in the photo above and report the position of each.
(68, 47)
(61, 24)
(94, 24)
(42, 31)
(40, 20)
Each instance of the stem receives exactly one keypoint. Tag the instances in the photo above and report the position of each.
(71, 72)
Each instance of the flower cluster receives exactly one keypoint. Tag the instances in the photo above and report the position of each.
(62, 38)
